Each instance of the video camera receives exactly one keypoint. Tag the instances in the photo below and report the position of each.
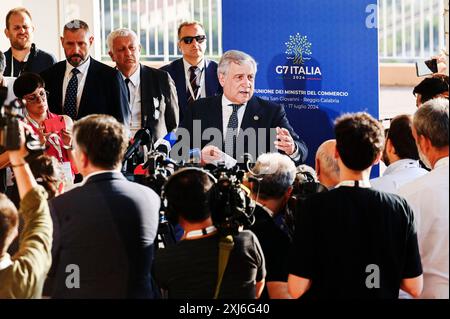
(231, 206)
(10, 114)
(305, 185)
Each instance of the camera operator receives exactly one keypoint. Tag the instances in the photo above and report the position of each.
(189, 269)
(275, 173)
(23, 275)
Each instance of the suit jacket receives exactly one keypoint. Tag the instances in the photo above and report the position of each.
(104, 91)
(159, 102)
(107, 228)
(261, 115)
(176, 71)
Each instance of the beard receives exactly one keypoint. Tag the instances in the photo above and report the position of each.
(76, 62)
(386, 158)
(423, 158)
(21, 45)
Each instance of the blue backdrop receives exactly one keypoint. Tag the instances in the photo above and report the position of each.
(318, 58)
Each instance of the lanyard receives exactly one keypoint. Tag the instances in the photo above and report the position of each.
(12, 63)
(201, 232)
(362, 184)
(53, 139)
(199, 92)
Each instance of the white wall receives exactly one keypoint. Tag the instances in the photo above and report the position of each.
(49, 17)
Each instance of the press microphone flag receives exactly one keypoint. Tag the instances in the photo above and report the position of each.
(142, 137)
(165, 144)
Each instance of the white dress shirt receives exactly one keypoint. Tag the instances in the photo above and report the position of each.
(227, 110)
(83, 68)
(201, 75)
(398, 174)
(135, 101)
(428, 197)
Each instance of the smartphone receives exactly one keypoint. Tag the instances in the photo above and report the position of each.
(426, 67)
(54, 125)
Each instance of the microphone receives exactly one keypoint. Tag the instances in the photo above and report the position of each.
(195, 156)
(142, 137)
(164, 145)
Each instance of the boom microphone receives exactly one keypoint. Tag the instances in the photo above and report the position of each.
(142, 137)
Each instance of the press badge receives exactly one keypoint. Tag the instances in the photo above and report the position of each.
(67, 173)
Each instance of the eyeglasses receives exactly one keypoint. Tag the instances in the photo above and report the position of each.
(34, 97)
(198, 38)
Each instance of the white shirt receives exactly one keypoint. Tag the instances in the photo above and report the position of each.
(227, 110)
(135, 100)
(428, 196)
(85, 178)
(81, 79)
(397, 174)
(269, 211)
(201, 75)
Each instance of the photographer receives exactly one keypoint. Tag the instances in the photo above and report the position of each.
(275, 173)
(23, 275)
(188, 269)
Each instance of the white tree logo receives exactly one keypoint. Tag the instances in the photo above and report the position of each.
(298, 46)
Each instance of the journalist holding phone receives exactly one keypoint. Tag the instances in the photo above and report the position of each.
(53, 130)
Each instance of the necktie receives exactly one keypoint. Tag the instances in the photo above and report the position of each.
(194, 85)
(127, 80)
(70, 102)
(230, 138)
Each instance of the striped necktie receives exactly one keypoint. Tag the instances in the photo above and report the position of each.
(194, 85)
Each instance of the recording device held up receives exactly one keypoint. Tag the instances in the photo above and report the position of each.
(426, 67)
(10, 115)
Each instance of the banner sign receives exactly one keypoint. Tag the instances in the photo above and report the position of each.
(318, 58)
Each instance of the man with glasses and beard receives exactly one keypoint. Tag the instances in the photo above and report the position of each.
(195, 76)
(23, 56)
(81, 85)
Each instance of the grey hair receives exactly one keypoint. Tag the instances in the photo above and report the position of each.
(234, 56)
(330, 164)
(2, 63)
(276, 172)
(431, 120)
(123, 32)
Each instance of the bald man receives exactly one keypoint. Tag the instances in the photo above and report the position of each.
(327, 168)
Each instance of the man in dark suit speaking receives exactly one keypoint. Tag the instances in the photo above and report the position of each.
(80, 85)
(237, 122)
(104, 230)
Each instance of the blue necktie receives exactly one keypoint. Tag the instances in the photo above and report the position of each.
(70, 102)
(230, 138)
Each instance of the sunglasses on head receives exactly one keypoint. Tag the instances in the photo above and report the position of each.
(198, 38)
